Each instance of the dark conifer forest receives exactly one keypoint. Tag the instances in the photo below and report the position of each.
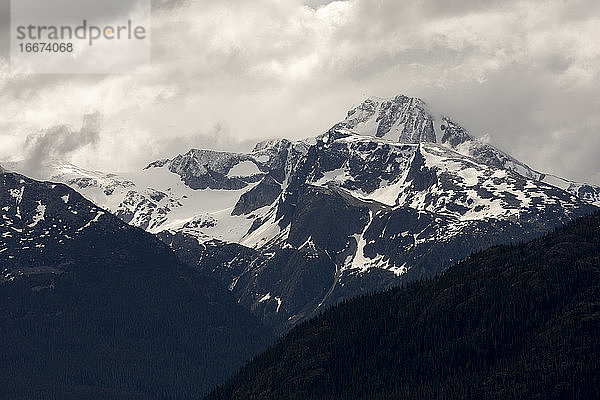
(108, 312)
(511, 322)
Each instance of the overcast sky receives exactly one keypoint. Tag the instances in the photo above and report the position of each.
(227, 73)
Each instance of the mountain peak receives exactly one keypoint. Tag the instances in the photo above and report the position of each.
(398, 97)
(453, 134)
(271, 144)
(399, 119)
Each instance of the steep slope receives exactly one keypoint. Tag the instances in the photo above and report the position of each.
(93, 308)
(510, 322)
(410, 120)
(216, 194)
(401, 119)
(393, 193)
(361, 214)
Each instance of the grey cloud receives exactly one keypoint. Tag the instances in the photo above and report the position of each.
(318, 3)
(219, 138)
(59, 142)
(169, 4)
(524, 72)
(71, 11)
(4, 28)
(552, 129)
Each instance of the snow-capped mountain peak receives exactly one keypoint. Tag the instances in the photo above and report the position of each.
(453, 134)
(404, 119)
(393, 192)
(400, 119)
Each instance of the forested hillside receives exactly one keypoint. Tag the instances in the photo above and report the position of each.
(92, 308)
(511, 322)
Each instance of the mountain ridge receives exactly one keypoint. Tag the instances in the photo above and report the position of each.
(516, 321)
(411, 208)
(92, 307)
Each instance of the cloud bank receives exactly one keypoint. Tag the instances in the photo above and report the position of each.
(59, 143)
(230, 72)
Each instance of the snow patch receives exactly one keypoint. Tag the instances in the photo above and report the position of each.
(470, 176)
(338, 176)
(399, 270)
(263, 158)
(278, 303)
(40, 211)
(360, 261)
(265, 298)
(243, 169)
(17, 194)
(267, 232)
(94, 220)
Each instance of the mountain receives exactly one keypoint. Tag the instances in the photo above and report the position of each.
(91, 307)
(394, 193)
(410, 120)
(510, 322)
(193, 189)
(361, 214)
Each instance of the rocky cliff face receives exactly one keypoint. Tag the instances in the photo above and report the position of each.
(361, 214)
(392, 193)
(401, 119)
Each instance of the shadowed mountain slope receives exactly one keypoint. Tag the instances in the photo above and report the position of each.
(510, 322)
(91, 307)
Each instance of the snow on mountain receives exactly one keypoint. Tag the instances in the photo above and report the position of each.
(35, 216)
(83, 293)
(410, 120)
(401, 119)
(362, 213)
(460, 186)
(212, 195)
(393, 193)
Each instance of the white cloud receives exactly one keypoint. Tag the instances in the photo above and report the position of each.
(523, 72)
